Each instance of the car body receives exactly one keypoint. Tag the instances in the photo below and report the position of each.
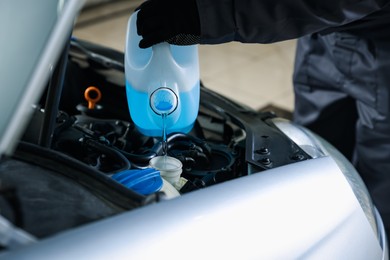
(257, 186)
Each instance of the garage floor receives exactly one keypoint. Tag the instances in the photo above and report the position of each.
(255, 74)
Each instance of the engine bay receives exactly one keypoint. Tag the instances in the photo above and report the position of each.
(72, 149)
(215, 150)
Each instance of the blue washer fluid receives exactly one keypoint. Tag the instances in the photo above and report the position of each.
(162, 79)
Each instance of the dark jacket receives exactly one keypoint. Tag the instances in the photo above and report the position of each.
(266, 21)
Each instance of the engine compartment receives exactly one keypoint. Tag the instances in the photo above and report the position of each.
(112, 146)
(215, 150)
(83, 147)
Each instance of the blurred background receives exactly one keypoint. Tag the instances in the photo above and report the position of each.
(258, 75)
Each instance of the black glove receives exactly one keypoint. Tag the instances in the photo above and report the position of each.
(173, 21)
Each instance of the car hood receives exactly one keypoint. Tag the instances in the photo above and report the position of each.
(26, 65)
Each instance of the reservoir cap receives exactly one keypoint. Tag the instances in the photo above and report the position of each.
(144, 181)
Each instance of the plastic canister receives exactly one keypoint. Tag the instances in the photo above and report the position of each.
(162, 79)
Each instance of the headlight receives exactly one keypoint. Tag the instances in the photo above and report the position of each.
(317, 147)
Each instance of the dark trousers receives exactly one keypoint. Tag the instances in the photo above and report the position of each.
(342, 85)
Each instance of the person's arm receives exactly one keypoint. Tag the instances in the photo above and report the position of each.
(265, 21)
(252, 21)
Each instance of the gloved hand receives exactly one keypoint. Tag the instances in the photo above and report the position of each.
(173, 21)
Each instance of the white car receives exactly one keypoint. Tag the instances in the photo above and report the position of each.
(253, 185)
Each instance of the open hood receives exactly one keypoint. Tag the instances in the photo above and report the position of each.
(47, 24)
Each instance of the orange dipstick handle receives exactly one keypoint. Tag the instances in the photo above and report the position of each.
(92, 95)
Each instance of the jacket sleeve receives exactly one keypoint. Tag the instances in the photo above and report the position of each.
(266, 21)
